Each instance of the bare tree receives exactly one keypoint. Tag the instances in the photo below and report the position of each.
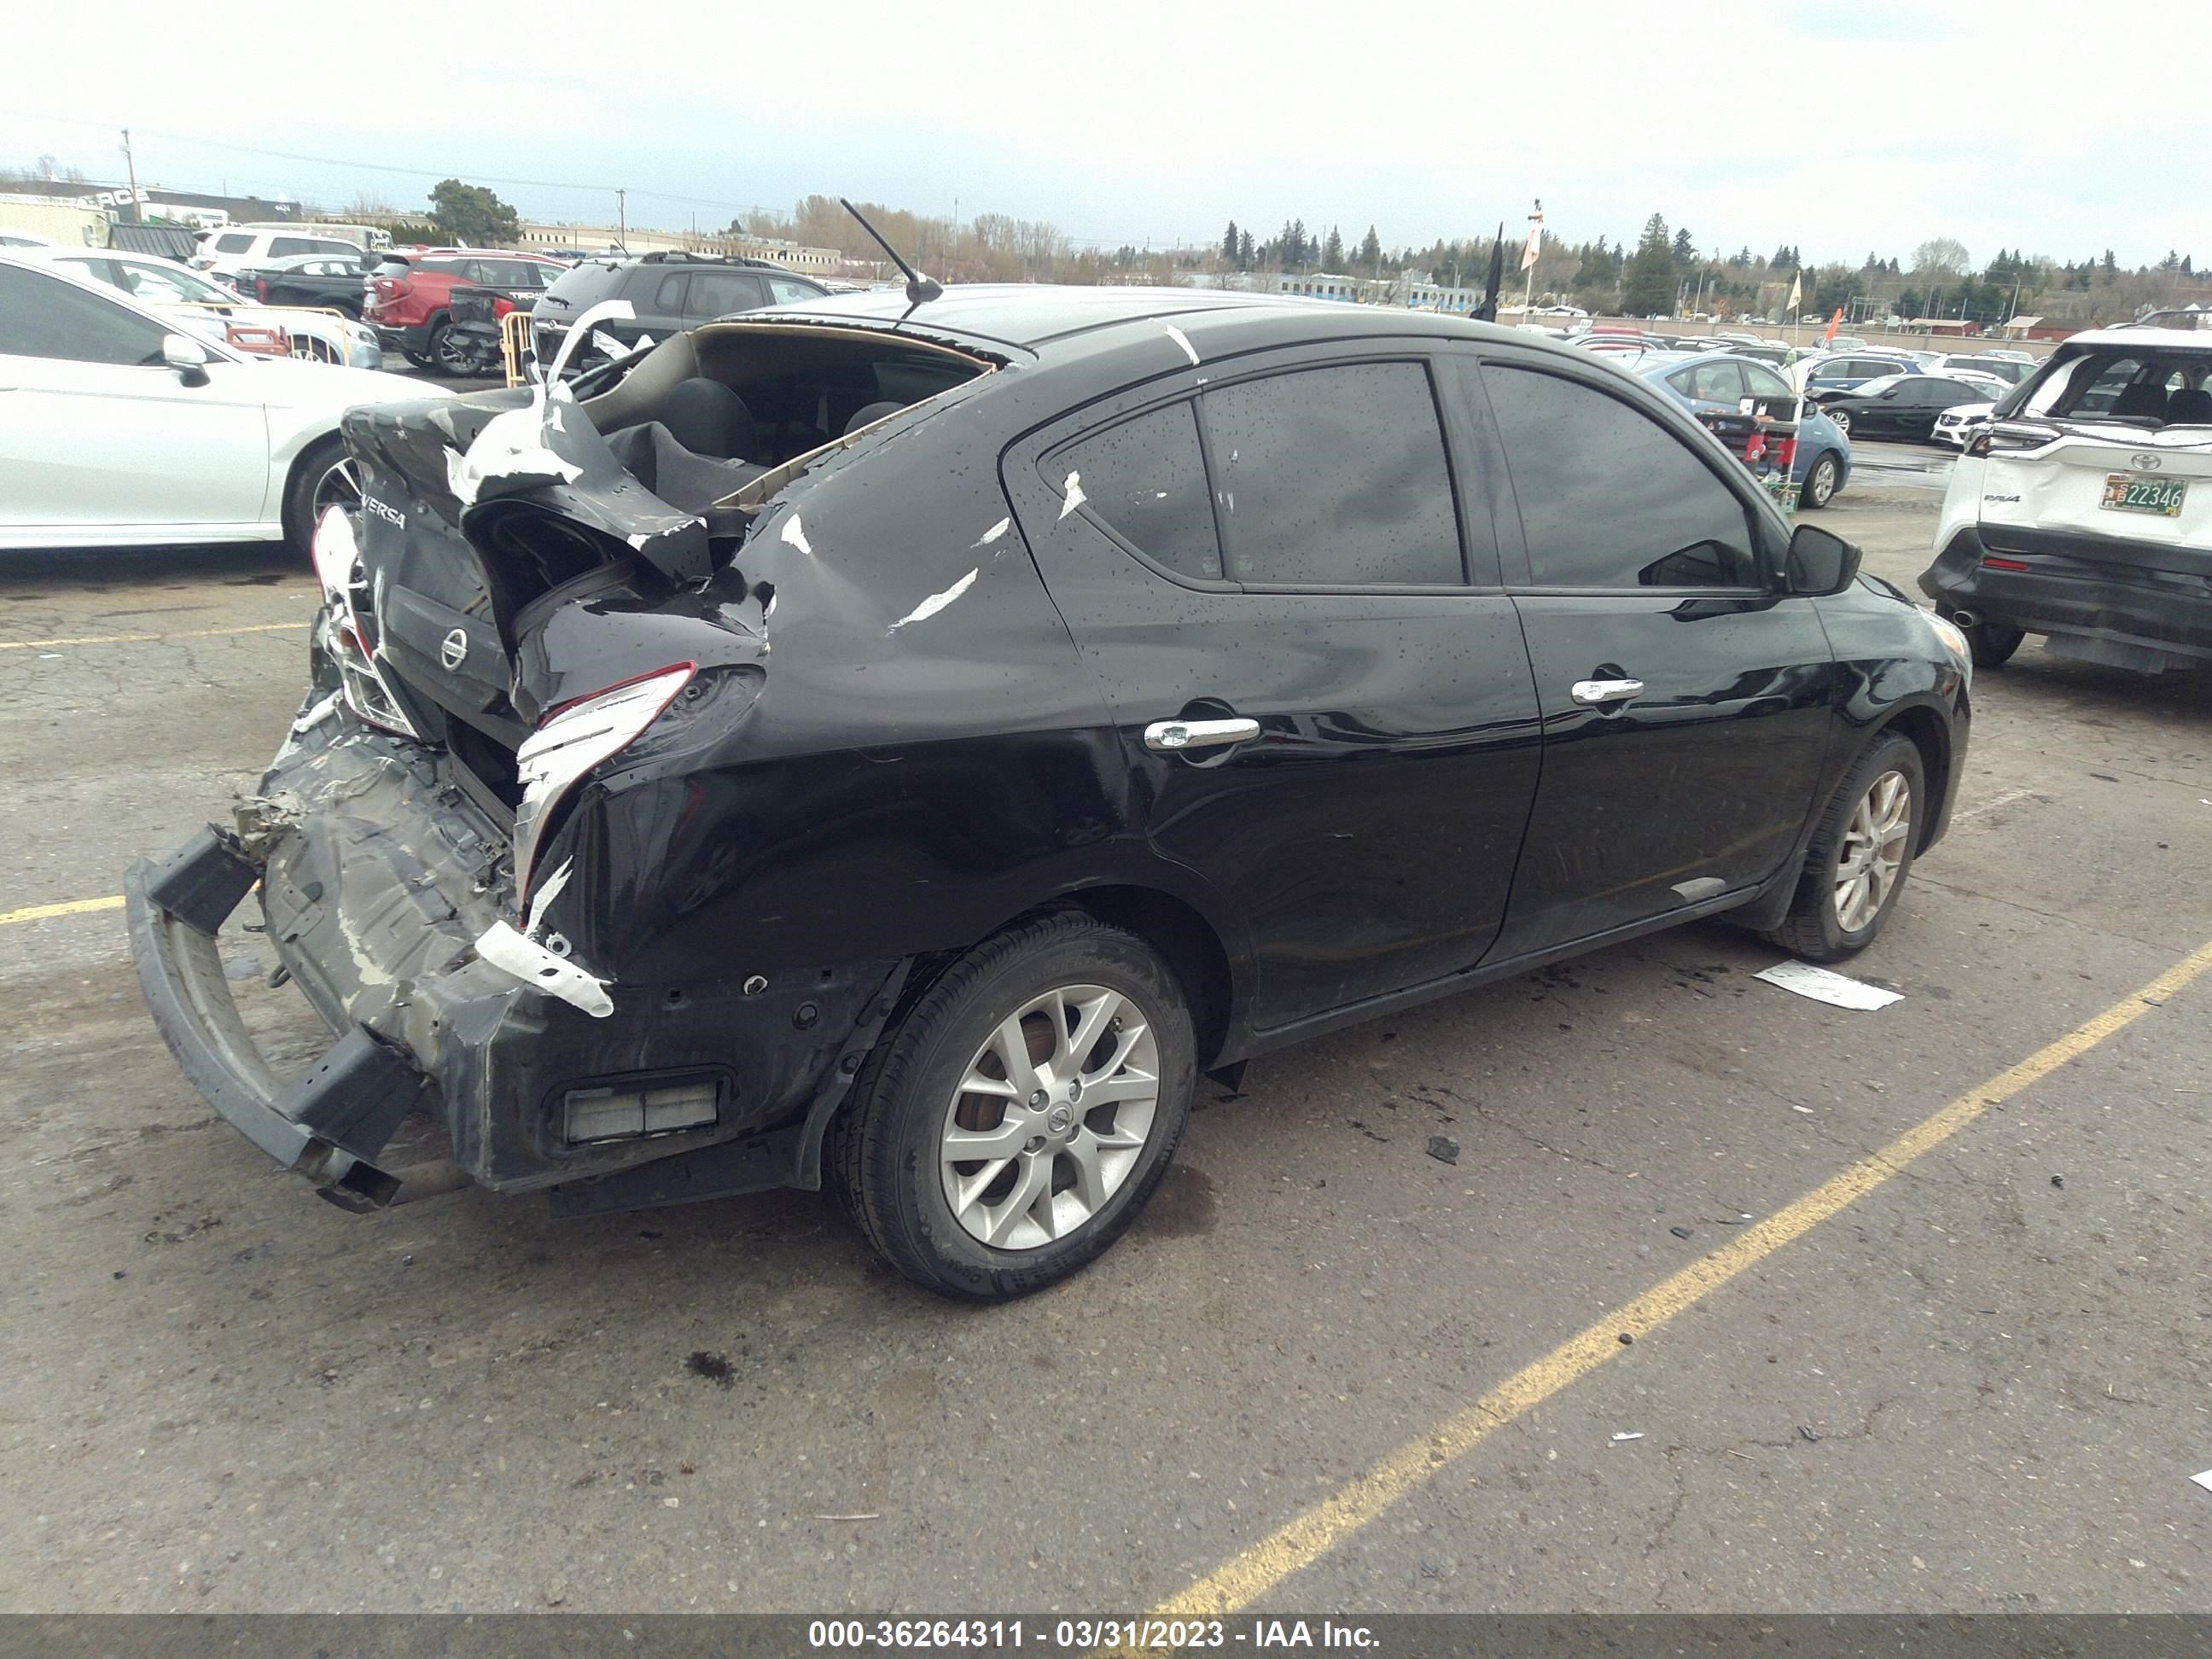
(1942, 256)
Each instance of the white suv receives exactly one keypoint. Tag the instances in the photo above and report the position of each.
(2083, 510)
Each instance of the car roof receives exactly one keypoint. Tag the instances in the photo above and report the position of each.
(2144, 339)
(1036, 315)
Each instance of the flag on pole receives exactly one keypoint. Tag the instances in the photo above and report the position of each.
(1834, 322)
(1796, 292)
(1535, 246)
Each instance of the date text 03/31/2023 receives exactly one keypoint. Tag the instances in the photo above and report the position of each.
(1164, 1635)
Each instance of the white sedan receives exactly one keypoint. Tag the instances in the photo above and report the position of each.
(1958, 425)
(116, 429)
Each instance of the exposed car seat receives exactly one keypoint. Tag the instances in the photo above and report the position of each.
(709, 419)
(2144, 398)
(870, 414)
(2192, 406)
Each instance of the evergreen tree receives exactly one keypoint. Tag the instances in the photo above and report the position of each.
(1229, 244)
(1332, 253)
(1300, 254)
(1370, 252)
(1244, 250)
(1685, 251)
(1648, 283)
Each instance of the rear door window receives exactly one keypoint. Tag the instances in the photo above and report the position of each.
(668, 294)
(1333, 477)
(1144, 479)
(716, 292)
(1717, 382)
(782, 291)
(1609, 498)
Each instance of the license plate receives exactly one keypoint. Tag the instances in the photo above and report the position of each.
(2125, 493)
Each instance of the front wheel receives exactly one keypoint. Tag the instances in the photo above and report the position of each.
(1842, 418)
(1820, 482)
(1023, 1110)
(1860, 855)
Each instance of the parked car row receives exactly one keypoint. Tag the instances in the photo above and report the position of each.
(203, 307)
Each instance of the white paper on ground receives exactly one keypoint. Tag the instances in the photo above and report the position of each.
(2204, 1479)
(1821, 986)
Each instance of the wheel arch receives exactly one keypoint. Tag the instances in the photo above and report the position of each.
(1931, 735)
(1186, 938)
(311, 451)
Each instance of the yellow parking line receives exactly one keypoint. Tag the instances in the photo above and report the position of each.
(143, 639)
(1241, 1580)
(72, 908)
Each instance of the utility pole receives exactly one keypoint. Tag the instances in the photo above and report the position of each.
(131, 167)
(621, 220)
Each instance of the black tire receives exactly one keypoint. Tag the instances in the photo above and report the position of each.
(1814, 930)
(417, 359)
(1821, 481)
(321, 466)
(883, 1158)
(1992, 645)
(444, 360)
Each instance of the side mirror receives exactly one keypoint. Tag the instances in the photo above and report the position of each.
(1820, 561)
(187, 357)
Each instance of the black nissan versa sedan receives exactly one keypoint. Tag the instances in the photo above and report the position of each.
(902, 746)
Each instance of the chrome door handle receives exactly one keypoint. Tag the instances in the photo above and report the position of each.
(1592, 694)
(1169, 736)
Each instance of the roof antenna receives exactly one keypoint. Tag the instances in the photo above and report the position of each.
(919, 289)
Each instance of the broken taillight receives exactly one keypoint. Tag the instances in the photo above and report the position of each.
(501, 305)
(571, 740)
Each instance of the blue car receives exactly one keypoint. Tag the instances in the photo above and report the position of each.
(1719, 382)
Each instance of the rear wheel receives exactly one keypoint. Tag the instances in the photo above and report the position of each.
(324, 476)
(446, 354)
(1820, 482)
(1017, 1118)
(1860, 855)
(1842, 418)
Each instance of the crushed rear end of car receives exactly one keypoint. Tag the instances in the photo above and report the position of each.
(496, 848)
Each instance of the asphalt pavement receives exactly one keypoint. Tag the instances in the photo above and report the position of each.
(1915, 1327)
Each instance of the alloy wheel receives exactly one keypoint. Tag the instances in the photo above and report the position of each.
(1873, 851)
(1823, 483)
(1050, 1117)
(339, 486)
(1842, 418)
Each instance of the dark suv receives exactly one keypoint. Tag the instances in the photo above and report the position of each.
(901, 751)
(667, 292)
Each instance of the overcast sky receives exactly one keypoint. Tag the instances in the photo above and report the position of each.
(1843, 128)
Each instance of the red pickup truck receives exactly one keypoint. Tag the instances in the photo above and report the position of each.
(410, 296)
